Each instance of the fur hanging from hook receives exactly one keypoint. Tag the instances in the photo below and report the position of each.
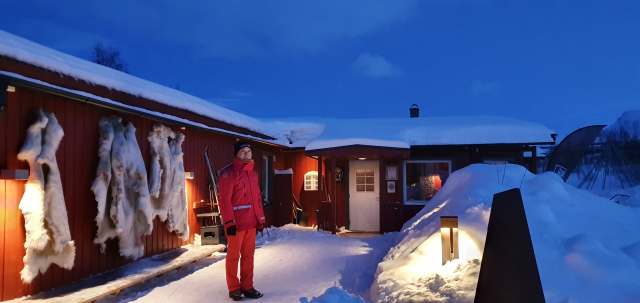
(48, 238)
(121, 189)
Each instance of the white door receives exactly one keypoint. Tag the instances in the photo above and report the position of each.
(364, 195)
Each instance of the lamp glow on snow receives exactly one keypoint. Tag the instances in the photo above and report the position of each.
(449, 235)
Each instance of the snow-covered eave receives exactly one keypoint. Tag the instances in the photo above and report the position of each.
(318, 151)
(487, 143)
(251, 127)
(83, 97)
(358, 150)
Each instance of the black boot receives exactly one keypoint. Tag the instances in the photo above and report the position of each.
(252, 293)
(236, 295)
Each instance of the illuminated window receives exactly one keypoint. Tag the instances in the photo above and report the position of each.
(311, 180)
(423, 179)
(365, 180)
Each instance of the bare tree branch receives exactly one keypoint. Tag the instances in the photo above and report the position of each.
(109, 57)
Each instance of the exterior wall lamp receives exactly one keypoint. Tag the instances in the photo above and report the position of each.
(188, 175)
(449, 235)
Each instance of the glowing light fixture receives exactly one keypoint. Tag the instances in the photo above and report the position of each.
(449, 235)
(362, 158)
(188, 175)
(11, 89)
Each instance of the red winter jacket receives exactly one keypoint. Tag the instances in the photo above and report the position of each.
(240, 201)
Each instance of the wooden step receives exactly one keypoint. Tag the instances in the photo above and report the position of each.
(112, 282)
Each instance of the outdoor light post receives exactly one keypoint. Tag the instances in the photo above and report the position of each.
(449, 235)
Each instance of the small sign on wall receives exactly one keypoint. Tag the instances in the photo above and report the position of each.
(391, 187)
(392, 172)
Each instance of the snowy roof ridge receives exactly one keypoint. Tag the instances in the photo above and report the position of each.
(406, 132)
(30, 52)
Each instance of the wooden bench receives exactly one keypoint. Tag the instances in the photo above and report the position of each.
(112, 282)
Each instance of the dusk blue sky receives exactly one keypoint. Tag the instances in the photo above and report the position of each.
(564, 64)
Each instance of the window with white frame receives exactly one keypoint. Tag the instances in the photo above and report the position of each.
(311, 180)
(365, 180)
(424, 178)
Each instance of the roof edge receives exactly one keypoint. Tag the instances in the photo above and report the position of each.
(123, 108)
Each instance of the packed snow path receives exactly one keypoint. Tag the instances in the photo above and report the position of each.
(291, 265)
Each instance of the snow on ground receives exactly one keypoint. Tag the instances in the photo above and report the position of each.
(587, 247)
(292, 264)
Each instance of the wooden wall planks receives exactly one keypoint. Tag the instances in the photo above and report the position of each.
(302, 164)
(77, 157)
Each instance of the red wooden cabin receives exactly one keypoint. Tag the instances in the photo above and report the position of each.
(79, 97)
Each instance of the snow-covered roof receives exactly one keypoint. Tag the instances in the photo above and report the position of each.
(406, 132)
(281, 139)
(313, 134)
(32, 53)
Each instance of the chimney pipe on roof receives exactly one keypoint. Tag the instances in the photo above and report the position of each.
(414, 112)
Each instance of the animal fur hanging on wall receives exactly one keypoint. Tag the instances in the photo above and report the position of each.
(121, 189)
(167, 181)
(48, 238)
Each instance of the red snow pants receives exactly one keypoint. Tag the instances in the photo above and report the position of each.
(240, 247)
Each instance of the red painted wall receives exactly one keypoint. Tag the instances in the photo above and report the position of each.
(302, 164)
(78, 158)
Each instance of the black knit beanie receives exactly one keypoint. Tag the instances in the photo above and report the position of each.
(238, 146)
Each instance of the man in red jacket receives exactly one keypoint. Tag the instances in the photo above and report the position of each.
(241, 207)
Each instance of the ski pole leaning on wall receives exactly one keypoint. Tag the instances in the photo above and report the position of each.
(213, 188)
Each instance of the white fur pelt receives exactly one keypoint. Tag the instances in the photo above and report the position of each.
(100, 187)
(126, 212)
(162, 171)
(168, 195)
(178, 217)
(48, 238)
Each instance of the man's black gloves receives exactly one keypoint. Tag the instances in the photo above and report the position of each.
(260, 227)
(231, 230)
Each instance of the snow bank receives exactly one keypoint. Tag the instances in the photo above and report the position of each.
(334, 295)
(587, 247)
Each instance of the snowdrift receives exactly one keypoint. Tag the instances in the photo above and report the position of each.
(587, 247)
